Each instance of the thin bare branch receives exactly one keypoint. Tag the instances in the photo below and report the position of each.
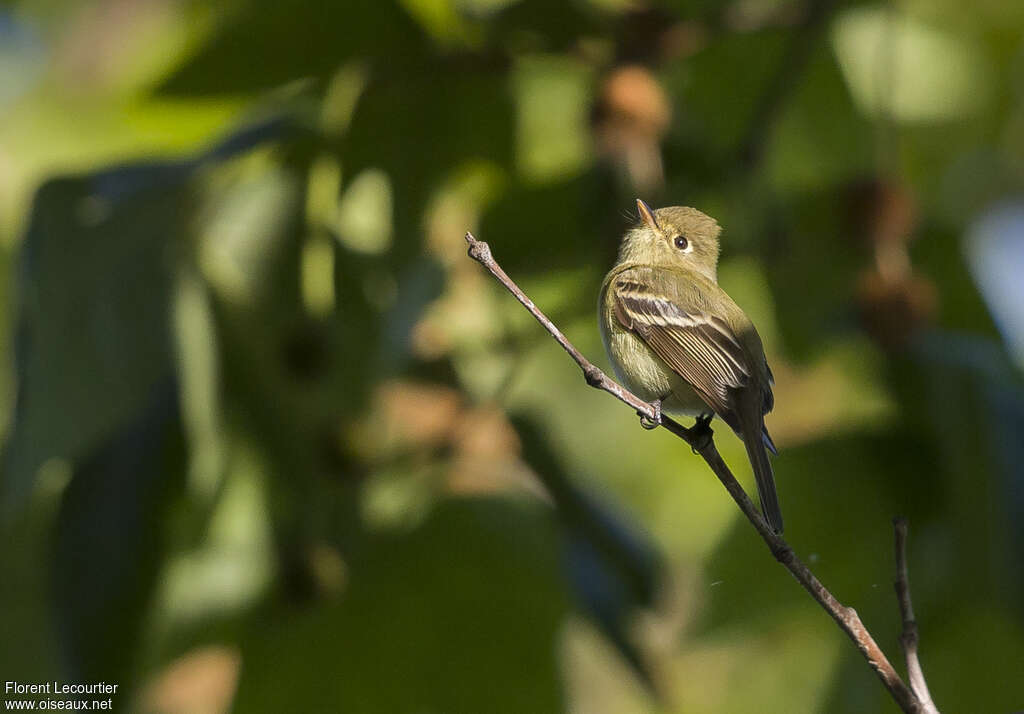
(908, 638)
(703, 443)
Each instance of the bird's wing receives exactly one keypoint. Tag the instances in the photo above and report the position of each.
(700, 347)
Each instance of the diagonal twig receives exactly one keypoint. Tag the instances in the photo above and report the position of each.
(703, 443)
(908, 638)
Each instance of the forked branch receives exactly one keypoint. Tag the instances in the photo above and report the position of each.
(908, 639)
(702, 442)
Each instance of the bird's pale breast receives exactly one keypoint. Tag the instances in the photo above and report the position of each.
(643, 372)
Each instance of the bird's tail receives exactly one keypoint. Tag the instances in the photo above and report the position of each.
(757, 452)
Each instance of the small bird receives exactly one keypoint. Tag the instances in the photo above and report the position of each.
(677, 340)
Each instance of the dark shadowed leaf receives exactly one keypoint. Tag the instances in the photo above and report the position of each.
(813, 303)
(543, 25)
(459, 615)
(718, 89)
(94, 289)
(418, 127)
(613, 567)
(575, 223)
(93, 328)
(294, 40)
(107, 548)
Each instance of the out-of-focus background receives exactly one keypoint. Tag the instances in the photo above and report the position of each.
(274, 443)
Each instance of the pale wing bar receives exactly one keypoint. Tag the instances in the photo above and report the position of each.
(699, 347)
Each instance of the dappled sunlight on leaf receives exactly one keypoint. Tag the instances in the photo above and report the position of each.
(898, 66)
(551, 97)
(232, 567)
(364, 213)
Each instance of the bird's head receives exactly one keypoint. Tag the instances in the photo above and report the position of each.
(677, 236)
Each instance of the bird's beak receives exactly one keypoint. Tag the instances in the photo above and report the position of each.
(647, 214)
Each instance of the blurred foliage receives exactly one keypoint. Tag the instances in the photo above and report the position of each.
(274, 443)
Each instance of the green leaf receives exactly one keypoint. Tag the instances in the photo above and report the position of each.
(94, 333)
(94, 337)
(108, 544)
(304, 38)
(460, 615)
(813, 302)
(568, 224)
(419, 128)
(717, 90)
(614, 567)
(819, 138)
(897, 66)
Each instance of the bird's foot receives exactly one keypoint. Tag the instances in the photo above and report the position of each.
(701, 432)
(646, 422)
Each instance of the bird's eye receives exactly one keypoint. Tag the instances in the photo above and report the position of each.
(681, 242)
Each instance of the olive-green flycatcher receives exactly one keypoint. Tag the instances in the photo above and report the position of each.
(678, 341)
